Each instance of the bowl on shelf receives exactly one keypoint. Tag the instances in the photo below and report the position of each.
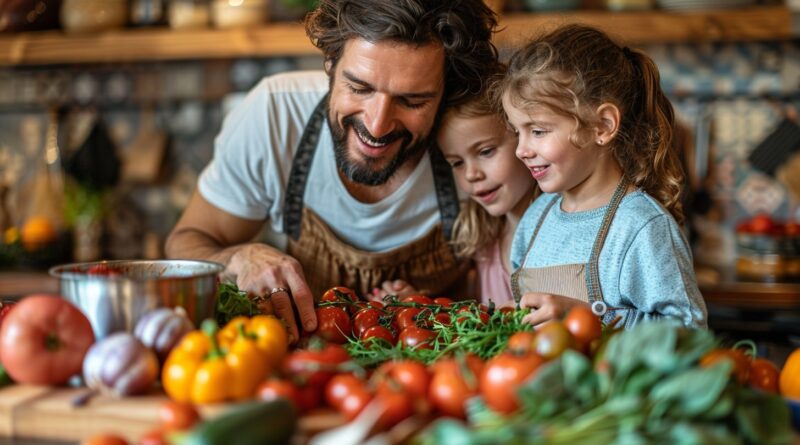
(114, 295)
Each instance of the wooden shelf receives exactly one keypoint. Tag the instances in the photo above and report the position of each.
(282, 39)
(723, 25)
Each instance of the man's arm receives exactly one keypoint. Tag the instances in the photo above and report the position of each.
(209, 233)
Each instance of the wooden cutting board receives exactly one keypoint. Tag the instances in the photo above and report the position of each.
(48, 413)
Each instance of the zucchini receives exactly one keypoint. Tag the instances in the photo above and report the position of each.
(252, 423)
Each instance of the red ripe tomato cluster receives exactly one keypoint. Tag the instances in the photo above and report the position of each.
(763, 224)
(342, 315)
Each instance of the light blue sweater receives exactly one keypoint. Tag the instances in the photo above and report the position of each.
(645, 264)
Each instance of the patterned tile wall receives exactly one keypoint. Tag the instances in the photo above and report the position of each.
(734, 94)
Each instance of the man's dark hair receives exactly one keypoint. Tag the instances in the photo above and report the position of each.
(463, 27)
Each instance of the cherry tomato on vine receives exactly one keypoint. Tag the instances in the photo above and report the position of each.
(764, 375)
(407, 317)
(443, 302)
(333, 324)
(483, 316)
(414, 337)
(376, 332)
(365, 318)
(339, 294)
(419, 299)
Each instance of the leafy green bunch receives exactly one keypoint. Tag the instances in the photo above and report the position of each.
(647, 388)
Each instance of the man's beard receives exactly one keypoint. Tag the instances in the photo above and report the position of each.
(363, 172)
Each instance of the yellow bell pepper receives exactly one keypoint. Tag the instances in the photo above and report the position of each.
(269, 332)
(198, 371)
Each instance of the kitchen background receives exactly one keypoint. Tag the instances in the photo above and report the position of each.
(99, 156)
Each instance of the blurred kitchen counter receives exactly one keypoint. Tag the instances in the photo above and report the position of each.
(725, 289)
(14, 284)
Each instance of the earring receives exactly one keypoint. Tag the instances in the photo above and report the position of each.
(600, 142)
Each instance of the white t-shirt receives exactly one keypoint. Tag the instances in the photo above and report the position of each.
(253, 156)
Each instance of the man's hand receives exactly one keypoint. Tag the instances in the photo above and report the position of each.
(263, 271)
(546, 307)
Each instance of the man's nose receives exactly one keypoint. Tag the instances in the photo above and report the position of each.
(379, 117)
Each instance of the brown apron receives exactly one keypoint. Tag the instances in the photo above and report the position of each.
(570, 280)
(427, 263)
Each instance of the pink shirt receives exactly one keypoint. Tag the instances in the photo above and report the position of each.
(494, 279)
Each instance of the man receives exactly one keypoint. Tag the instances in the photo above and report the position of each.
(375, 203)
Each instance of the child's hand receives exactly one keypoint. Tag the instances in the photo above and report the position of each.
(546, 307)
(400, 288)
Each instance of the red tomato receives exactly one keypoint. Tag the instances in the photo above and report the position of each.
(379, 332)
(275, 388)
(762, 224)
(737, 357)
(443, 318)
(397, 405)
(304, 364)
(482, 314)
(5, 307)
(365, 318)
(407, 317)
(44, 339)
(454, 381)
(340, 387)
(764, 375)
(409, 375)
(502, 376)
(791, 228)
(354, 403)
(333, 324)
(443, 301)
(308, 397)
(521, 342)
(414, 337)
(105, 439)
(584, 326)
(339, 294)
(178, 416)
(419, 299)
(552, 339)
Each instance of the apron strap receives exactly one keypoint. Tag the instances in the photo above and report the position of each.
(446, 194)
(593, 277)
(301, 165)
(515, 275)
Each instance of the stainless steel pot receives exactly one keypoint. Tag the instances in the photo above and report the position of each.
(116, 302)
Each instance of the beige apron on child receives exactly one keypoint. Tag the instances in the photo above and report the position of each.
(569, 280)
(427, 263)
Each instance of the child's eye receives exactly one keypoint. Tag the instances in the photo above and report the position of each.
(538, 133)
(456, 164)
(486, 152)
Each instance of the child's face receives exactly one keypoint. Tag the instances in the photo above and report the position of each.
(481, 152)
(546, 150)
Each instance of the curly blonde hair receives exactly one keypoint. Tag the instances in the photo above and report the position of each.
(575, 69)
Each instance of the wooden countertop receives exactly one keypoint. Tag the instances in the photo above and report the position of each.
(17, 284)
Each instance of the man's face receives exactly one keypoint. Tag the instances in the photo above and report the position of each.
(382, 106)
